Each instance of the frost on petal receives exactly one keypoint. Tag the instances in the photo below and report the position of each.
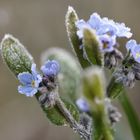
(82, 105)
(25, 78)
(27, 90)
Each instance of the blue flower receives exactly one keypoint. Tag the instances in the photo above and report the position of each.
(134, 48)
(82, 105)
(51, 68)
(107, 43)
(107, 30)
(30, 82)
(131, 44)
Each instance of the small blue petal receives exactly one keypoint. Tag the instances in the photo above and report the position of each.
(27, 90)
(81, 24)
(33, 69)
(82, 105)
(123, 31)
(136, 53)
(25, 78)
(131, 44)
(35, 74)
(95, 21)
(110, 29)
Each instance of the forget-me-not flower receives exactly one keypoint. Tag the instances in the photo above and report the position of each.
(51, 68)
(107, 42)
(134, 48)
(82, 105)
(30, 82)
(107, 30)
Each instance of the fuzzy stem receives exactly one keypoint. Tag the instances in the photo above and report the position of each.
(72, 122)
(84, 133)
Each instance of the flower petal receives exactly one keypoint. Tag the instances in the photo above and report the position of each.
(27, 90)
(33, 69)
(123, 31)
(95, 21)
(82, 105)
(25, 78)
(136, 53)
(131, 44)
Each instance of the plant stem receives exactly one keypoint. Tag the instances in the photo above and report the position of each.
(72, 122)
(131, 115)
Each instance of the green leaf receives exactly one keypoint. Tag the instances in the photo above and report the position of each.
(131, 115)
(91, 46)
(114, 89)
(71, 18)
(57, 118)
(15, 55)
(69, 76)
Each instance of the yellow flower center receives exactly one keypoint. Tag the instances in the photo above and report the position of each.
(105, 45)
(137, 55)
(33, 83)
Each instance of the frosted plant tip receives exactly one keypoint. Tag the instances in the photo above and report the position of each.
(70, 8)
(6, 36)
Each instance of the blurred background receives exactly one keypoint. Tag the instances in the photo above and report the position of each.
(40, 24)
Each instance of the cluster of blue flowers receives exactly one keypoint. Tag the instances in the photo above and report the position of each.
(30, 82)
(106, 30)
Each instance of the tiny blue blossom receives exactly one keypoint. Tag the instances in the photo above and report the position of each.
(107, 30)
(134, 48)
(30, 82)
(107, 43)
(82, 105)
(131, 44)
(51, 68)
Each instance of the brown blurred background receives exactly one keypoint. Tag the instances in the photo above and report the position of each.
(39, 24)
